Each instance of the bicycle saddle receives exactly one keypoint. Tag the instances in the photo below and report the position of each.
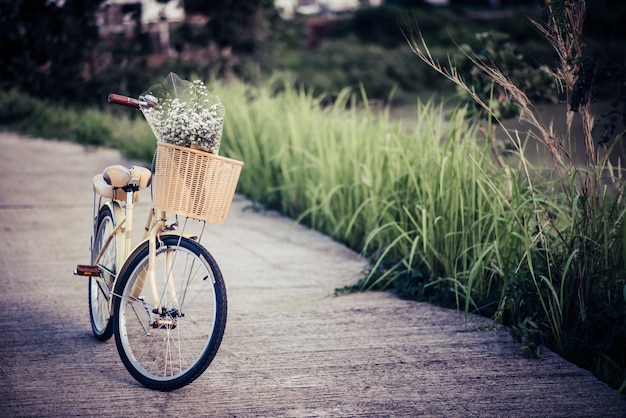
(109, 184)
(118, 176)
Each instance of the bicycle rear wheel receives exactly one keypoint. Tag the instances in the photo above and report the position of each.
(168, 334)
(100, 287)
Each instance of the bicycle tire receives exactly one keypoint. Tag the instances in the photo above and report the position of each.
(169, 348)
(99, 314)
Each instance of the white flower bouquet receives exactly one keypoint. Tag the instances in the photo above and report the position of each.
(184, 113)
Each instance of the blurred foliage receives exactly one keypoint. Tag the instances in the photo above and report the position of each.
(371, 49)
(243, 25)
(339, 64)
(497, 50)
(45, 46)
(605, 20)
(53, 51)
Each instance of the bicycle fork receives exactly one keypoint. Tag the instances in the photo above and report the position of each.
(163, 315)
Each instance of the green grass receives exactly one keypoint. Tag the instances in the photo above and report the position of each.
(90, 127)
(437, 218)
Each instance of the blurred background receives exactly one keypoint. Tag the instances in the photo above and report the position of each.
(79, 51)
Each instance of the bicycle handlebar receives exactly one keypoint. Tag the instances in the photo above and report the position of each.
(128, 101)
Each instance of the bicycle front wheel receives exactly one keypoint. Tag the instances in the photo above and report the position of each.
(100, 287)
(168, 328)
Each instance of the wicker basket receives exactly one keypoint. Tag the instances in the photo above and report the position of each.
(194, 183)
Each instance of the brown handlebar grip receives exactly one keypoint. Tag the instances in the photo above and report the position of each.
(125, 101)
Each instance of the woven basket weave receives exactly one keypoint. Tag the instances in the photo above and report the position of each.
(194, 183)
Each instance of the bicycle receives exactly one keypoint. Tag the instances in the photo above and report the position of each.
(164, 299)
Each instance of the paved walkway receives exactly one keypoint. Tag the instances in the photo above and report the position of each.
(291, 348)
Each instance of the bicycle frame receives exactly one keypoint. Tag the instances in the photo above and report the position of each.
(123, 236)
(163, 298)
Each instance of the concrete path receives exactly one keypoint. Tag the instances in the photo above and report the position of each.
(291, 348)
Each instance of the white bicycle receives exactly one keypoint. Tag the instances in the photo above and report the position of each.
(164, 298)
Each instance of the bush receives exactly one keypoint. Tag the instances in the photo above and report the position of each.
(36, 117)
(348, 63)
(91, 129)
(15, 107)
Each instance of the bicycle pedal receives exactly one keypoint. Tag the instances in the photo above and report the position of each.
(164, 323)
(85, 270)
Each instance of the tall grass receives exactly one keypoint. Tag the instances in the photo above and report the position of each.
(569, 291)
(427, 205)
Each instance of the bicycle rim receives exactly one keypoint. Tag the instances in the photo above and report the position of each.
(99, 290)
(168, 334)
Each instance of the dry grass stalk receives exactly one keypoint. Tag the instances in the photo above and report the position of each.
(418, 46)
(564, 31)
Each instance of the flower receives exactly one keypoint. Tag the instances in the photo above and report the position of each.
(186, 114)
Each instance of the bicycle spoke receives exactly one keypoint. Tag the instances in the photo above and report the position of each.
(168, 345)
